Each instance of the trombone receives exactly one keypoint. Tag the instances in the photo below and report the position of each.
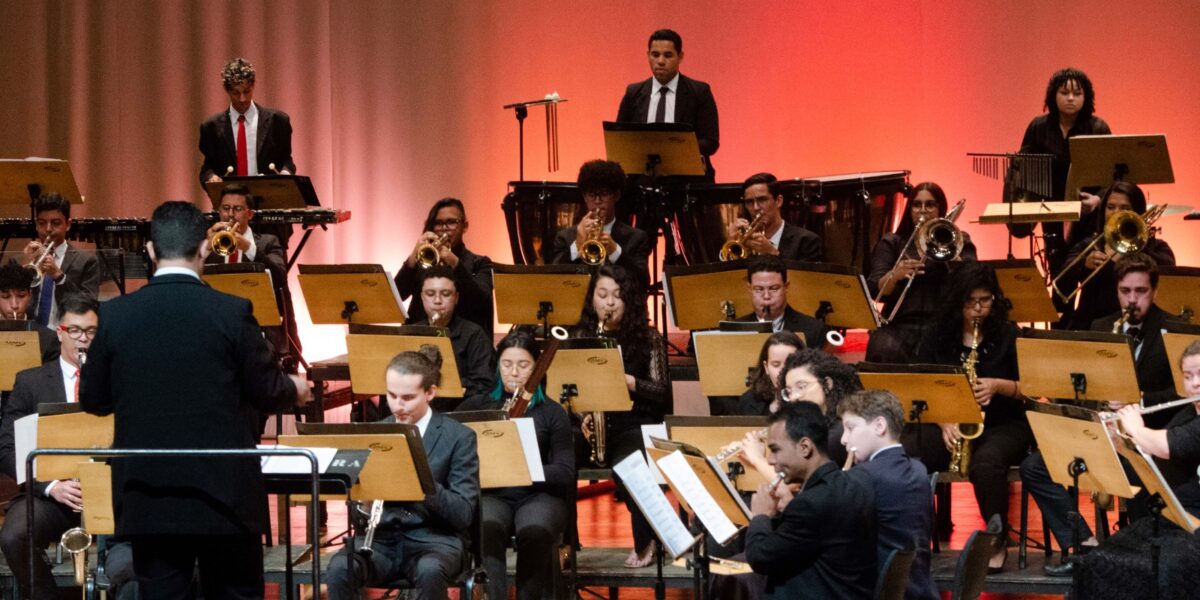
(938, 239)
(736, 248)
(1126, 232)
(429, 254)
(593, 251)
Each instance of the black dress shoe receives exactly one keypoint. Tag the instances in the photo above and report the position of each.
(1064, 569)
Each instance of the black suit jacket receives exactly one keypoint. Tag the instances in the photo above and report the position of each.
(40, 385)
(446, 514)
(472, 279)
(1154, 376)
(793, 320)
(823, 543)
(798, 243)
(181, 365)
(904, 504)
(635, 249)
(694, 105)
(83, 276)
(267, 252)
(218, 143)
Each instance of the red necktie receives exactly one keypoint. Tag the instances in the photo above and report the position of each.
(76, 398)
(242, 168)
(234, 257)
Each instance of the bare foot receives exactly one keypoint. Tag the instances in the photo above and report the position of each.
(996, 562)
(638, 560)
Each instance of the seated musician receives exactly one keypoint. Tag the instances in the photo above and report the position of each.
(424, 542)
(472, 272)
(897, 341)
(1137, 283)
(1096, 298)
(15, 300)
(768, 286)
(537, 514)
(974, 295)
(763, 378)
(872, 421)
(616, 309)
(772, 236)
(472, 348)
(233, 214)
(600, 184)
(821, 543)
(64, 271)
(57, 503)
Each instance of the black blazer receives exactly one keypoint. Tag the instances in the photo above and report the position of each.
(181, 365)
(904, 504)
(472, 279)
(635, 249)
(1099, 297)
(273, 144)
(798, 243)
(793, 320)
(823, 544)
(35, 386)
(694, 105)
(473, 354)
(1154, 376)
(269, 253)
(447, 513)
(83, 276)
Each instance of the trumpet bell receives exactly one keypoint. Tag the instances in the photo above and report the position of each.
(223, 242)
(428, 256)
(733, 250)
(593, 252)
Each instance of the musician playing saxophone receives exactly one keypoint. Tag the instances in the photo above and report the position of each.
(537, 514)
(772, 236)
(974, 294)
(600, 183)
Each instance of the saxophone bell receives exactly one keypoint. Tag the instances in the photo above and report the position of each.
(76, 541)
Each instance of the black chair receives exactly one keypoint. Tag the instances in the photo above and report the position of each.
(972, 568)
(893, 576)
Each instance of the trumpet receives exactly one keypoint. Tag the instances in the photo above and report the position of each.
(37, 264)
(76, 541)
(1126, 232)
(429, 254)
(938, 239)
(224, 242)
(1125, 314)
(736, 248)
(960, 458)
(593, 251)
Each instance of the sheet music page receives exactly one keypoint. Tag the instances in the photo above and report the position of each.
(729, 486)
(675, 467)
(24, 441)
(396, 293)
(529, 443)
(654, 505)
(295, 465)
(658, 430)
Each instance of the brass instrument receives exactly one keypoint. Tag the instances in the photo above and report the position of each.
(429, 254)
(76, 541)
(37, 264)
(938, 239)
(224, 242)
(1125, 314)
(597, 436)
(736, 248)
(593, 251)
(960, 459)
(1126, 232)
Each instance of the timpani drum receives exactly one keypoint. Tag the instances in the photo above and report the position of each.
(534, 212)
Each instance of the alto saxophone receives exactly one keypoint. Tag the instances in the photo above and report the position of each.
(960, 459)
(597, 435)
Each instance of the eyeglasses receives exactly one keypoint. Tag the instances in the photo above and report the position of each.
(755, 201)
(448, 223)
(758, 290)
(985, 302)
(598, 194)
(77, 333)
(233, 208)
(795, 392)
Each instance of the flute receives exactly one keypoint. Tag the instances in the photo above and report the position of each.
(1149, 410)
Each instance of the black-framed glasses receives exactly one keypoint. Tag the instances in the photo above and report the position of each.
(233, 208)
(447, 223)
(985, 302)
(77, 333)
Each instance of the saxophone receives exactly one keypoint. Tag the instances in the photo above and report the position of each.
(597, 435)
(960, 459)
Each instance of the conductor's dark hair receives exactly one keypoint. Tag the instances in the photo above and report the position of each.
(906, 221)
(767, 178)
(871, 404)
(1063, 77)
(766, 263)
(1136, 263)
(439, 205)
(238, 189)
(804, 420)
(601, 175)
(666, 35)
(15, 276)
(79, 304)
(177, 229)
(52, 201)
(436, 271)
(237, 71)
(418, 363)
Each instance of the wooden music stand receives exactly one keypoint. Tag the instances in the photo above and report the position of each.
(701, 488)
(503, 456)
(368, 355)
(655, 149)
(724, 358)
(1067, 433)
(710, 434)
(340, 294)
(398, 469)
(1176, 339)
(834, 294)
(1003, 213)
(270, 191)
(95, 484)
(697, 296)
(1025, 287)
(1178, 292)
(540, 294)
(1084, 365)
(929, 393)
(20, 349)
(251, 281)
(1156, 485)
(650, 500)
(596, 375)
(63, 425)
(1099, 160)
(23, 180)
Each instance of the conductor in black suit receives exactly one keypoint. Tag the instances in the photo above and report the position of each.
(181, 365)
(600, 183)
(424, 542)
(671, 97)
(871, 425)
(772, 236)
(768, 285)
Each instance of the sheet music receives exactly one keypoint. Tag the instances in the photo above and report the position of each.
(729, 486)
(529, 443)
(675, 467)
(396, 293)
(653, 503)
(24, 441)
(658, 430)
(295, 465)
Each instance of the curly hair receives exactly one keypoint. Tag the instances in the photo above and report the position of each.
(1062, 78)
(236, 72)
(837, 378)
(634, 334)
(948, 320)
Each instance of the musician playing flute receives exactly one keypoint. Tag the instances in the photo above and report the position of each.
(62, 270)
(762, 200)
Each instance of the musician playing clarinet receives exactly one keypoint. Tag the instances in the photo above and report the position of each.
(767, 282)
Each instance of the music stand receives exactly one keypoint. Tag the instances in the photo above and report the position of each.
(589, 379)
(1025, 288)
(1100, 160)
(705, 489)
(710, 434)
(504, 460)
(1004, 213)
(1084, 365)
(545, 294)
(835, 295)
(23, 180)
(20, 349)
(1176, 339)
(63, 425)
(724, 358)
(650, 500)
(1178, 292)
(251, 281)
(655, 149)
(369, 349)
(700, 296)
(341, 294)
(398, 469)
(929, 393)
(95, 485)
(271, 192)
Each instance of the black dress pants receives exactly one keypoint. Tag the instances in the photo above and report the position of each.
(231, 566)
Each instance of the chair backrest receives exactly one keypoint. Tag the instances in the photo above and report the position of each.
(972, 567)
(893, 576)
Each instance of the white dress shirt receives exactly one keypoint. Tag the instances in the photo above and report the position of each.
(251, 136)
(612, 256)
(176, 271)
(251, 252)
(70, 375)
(423, 422)
(672, 85)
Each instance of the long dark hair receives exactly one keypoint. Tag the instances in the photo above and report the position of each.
(634, 334)
(1061, 78)
(764, 389)
(842, 378)
(444, 203)
(524, 340)
(906, 221)
(946, 333)
(1137, 201)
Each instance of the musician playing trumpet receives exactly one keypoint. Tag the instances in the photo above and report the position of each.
(762, 200)
(600, 183)
(62, 270)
